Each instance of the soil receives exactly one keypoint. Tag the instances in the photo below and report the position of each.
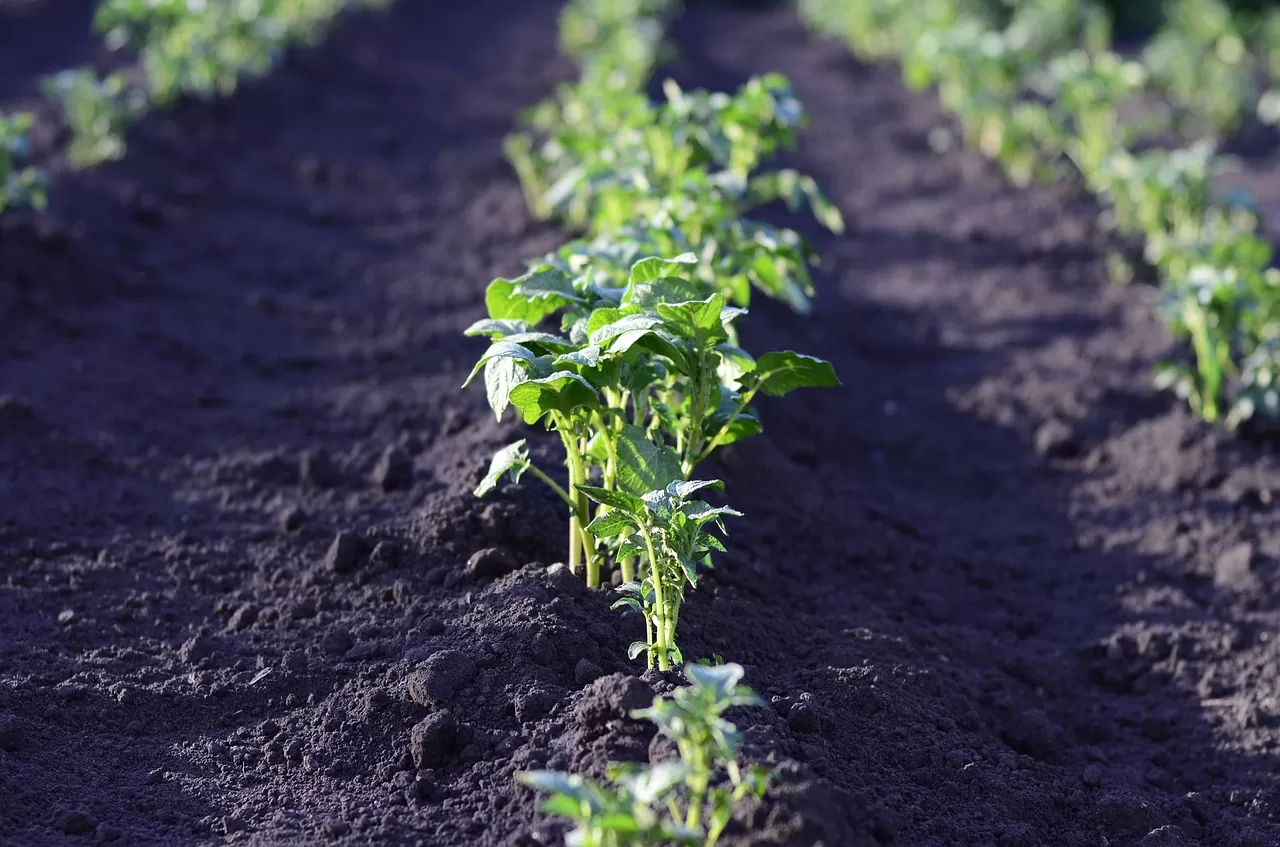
(996, 590)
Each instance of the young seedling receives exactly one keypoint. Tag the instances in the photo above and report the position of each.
(668, 531)
(689, 801)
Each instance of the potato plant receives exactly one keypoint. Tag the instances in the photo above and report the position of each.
(20, 183)
(667, 531)
(641, 383)
(687, 801)
(1035, 87)
(677, 176)
(184, 48)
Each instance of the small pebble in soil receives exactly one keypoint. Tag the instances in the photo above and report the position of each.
(345, 553)
(317, 470)
(611, 698)
(292, 518)
(10, 733)
(242, 618)
(74, 822)
(804, 717)
(533, 705)
(586, 672)
(15, 413)
(196, 649)
(385, 555)
(491, 563)
(1056, 440)
(67, 617)
(1234, 569)
(337, 641)
(394, 470)
(431, 739)
(441, 677)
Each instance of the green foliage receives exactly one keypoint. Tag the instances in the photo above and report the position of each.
(98, 110)
(689, 801)
(1035, 87)
(20, 184)
(668, 530)
(642, 383)
(623, 342)
(645, 179)
(184, 48)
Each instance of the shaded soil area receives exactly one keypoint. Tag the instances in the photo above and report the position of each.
(996, 591)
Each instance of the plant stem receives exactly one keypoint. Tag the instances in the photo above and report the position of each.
(553, 485)
(662, 643)
(582, 516)
(724, 430)
(700, 397)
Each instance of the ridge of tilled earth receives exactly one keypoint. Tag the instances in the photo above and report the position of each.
(995, 591)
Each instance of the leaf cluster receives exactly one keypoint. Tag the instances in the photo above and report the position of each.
(20, 183)
(689, 801)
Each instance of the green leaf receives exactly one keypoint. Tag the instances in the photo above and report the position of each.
(720, 679)
(531, 297)
(644, 466)
(684, 489)
(502, 350)
(547, 341)
(636, 648)
(514, 458)
(618, 822)
(610, 524)
(562, 391)
(566, 807)
(700, 512)
(628, 602)
(620, 335)
(667, 289)
(631, 547)
(496, 329)
(554, 782)
(782, 372)
(587, 357)
(693, 315)
(655, 267)
(607, 315)
(651, 786)
(501, 375)
(621, 500)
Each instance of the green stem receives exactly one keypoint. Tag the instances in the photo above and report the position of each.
(700, 397)
(1206, 362)
(660, 645)
(553, 485)
(582, 517)
(699, 781)
(724, 430)
(648, 638)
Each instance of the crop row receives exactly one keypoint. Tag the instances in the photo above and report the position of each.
(180, 48)
(1038, 88)
(625, 343)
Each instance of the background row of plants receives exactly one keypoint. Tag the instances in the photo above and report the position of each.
(1038, 86)
(625, 343)
(174, 49)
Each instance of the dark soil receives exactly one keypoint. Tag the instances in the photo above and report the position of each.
(998, 592)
